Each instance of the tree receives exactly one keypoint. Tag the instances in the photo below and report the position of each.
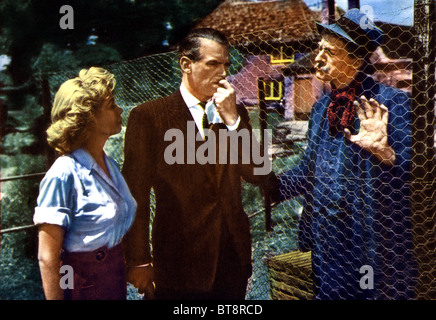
(132, 28)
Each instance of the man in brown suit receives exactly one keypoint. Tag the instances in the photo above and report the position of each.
(201, 242)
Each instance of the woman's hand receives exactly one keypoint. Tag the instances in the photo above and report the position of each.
(142, 277)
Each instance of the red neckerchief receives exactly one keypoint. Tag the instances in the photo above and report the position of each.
(341, 111)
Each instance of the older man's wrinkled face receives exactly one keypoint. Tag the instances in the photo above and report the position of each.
(334, 64)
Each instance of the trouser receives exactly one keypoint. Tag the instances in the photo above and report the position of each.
(230, 282)
(98, 274)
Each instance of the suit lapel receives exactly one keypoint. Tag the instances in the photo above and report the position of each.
(178, 112)
(179, 117)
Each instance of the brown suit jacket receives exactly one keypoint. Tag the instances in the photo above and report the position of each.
(194, 202)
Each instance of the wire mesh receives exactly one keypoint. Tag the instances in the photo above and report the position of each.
(357, 206)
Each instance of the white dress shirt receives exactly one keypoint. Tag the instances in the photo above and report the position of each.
(197, 111)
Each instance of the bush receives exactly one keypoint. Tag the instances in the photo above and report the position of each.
(18, 264)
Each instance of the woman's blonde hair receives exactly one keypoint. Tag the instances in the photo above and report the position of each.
(74, 106)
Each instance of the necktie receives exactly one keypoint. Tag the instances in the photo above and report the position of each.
(204, 120)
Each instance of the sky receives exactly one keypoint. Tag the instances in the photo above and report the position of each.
(390, 11)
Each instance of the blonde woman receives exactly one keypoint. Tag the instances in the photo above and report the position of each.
(84, 207)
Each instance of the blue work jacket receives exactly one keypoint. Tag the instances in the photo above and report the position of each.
(356, 217)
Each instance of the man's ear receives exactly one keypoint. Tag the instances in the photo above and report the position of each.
(185, 64)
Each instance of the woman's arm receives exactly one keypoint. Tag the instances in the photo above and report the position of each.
(49, 255)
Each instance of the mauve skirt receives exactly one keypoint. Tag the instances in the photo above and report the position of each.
(98, 274)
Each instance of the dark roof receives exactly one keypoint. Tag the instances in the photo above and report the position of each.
(246, 22)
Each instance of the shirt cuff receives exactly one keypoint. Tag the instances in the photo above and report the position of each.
(55, 215)
(235, 125)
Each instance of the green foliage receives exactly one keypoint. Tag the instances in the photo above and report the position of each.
(52, 58)
(124, 29)
(18, 265)
(97, 54)
(237, 61)
(114, 147)
(19, 270)
(19, 196)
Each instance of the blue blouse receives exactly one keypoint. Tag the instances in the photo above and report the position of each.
(76, 194)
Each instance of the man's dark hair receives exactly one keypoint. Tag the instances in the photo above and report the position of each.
(190, 45)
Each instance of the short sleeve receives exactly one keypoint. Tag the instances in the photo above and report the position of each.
(55, 199)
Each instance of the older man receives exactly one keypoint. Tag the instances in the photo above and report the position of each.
(355, 173)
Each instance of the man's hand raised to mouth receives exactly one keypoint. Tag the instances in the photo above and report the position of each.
(225, 102)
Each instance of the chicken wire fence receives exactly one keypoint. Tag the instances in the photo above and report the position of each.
(276, 83)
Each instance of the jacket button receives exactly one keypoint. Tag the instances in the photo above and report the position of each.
(100, 255)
